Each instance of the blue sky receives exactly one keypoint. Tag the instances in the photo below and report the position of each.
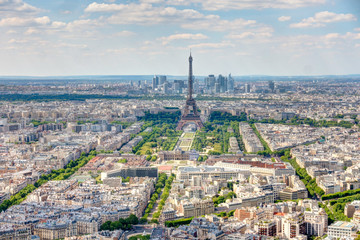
(242, 37)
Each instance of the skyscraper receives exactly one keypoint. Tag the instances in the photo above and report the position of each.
(230, 84)
(210, 83)
(222, 81)
(271, 86)
(162, 79)
(247, 87)
(155, 82)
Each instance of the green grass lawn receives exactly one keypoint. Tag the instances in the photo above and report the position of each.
(139, 237)
(146, 147)
(189, 135)
(217, 147)
(185, 143)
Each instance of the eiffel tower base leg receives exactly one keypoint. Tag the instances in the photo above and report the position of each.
(183, 122)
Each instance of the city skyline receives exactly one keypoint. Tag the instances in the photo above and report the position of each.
(59, 38)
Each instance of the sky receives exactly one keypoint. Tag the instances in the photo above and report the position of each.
(145, 37)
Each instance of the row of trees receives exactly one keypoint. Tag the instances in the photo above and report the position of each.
(178, 222)
(311, 122)
(221, 117)
(345, 199)
(267, 151)
(122, 223)
(60, 97)
(341, 194)
(235, 126)
(162, 117)
(38, 122)
(186, 221)
(60, 174)
(321, 123)
(164, 197)
(80, 122)
(309, 182)
(158, 187)
(140, 237)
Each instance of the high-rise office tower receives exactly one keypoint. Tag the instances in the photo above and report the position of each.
(196, 86)
(155, 82)
(247, 87)
(230, 84)
(210, 83)
(162, 79)
(271, 86)
(222, 81)
(217, 87)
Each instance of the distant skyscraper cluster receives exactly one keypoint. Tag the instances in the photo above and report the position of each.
(160, 83)
(220, 84)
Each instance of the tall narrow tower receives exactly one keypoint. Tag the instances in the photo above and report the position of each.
(190, 78)
(190, 112)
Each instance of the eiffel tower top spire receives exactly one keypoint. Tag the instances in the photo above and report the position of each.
(190, 78)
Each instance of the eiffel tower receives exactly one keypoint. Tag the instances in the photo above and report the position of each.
(190, 112)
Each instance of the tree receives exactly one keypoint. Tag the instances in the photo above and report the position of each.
(132, 219)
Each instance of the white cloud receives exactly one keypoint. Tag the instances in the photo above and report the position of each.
(146, 14)
(321, 18)
(284, 18)
(258, 33)
(183, 36)
(104, 7)
(216, 5)
(215, 23)
(357, 29)
(248, 35)
(352, 36)
(57, 24)
(84, 24)
(212, 45)
(31, 31)
(21, 22)
(12, 7)
(152, 1)
(332, 35)
(17, 41)
(307, 43)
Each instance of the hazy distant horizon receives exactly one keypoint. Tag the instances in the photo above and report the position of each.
(148, 77)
